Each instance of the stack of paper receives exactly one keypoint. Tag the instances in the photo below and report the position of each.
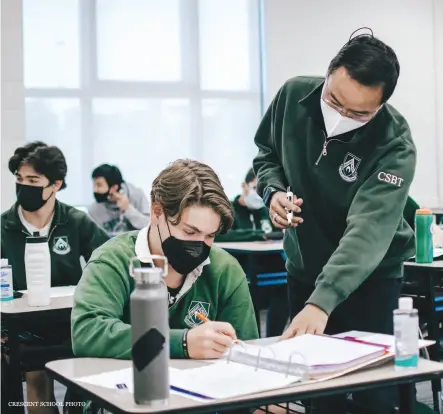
(313, 356)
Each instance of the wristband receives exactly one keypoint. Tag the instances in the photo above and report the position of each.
(185, 343)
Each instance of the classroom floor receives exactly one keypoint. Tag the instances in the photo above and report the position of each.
(424, 392)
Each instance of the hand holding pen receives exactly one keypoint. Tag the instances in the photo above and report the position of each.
(282, 208)
(210, 340)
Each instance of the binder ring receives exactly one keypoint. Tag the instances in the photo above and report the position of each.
(300, 365)
(228, 358)
(271, 351)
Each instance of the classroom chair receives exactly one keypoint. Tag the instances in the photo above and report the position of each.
(32, 357)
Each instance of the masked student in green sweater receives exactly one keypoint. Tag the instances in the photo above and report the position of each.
(40, 172)
(252, 223)
(188, 208)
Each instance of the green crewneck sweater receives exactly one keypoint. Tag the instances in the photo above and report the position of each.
(354, 187)
(101, 318)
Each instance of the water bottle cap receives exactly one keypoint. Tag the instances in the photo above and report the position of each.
(148, 275)
(423, 211)
(143, 270)
(4, 263)
(405, 304)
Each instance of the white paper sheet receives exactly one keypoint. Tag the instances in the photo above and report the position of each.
(227, 380)
(122, 381)
(319, 350)
(389, 340)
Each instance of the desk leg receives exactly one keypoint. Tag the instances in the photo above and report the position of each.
(253, 287)
(407, 398)
(15, 368)
(433, 331)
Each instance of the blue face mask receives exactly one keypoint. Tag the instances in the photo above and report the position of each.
(253, 201)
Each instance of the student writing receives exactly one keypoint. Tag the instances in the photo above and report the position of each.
(188, 208)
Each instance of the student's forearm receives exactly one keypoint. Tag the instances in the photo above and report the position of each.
(101, 338)
(138, 219)
(115, 345)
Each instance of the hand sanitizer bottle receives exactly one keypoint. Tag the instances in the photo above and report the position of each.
(6, 289)
(406, 335)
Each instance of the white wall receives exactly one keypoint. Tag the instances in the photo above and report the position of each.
(301, 37)
(12, 93)
(438, 55)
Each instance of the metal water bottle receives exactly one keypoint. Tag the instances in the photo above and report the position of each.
(150, 331)
(424, 220)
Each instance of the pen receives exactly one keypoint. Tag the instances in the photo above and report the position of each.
(123, 386)
(289, 197)
(203, 318)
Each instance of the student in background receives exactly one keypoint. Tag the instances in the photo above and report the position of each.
(40, 172)
(250, 211)
(252, 223)
(188, 205)
(119, 206)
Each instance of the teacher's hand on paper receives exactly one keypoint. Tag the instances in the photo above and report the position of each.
(277, 210)
(210, 340)
(311, 320)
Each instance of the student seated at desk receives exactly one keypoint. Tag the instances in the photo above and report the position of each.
(40, 171)
(252, 223)
(251, 217)
(188, 208)
(119, 206)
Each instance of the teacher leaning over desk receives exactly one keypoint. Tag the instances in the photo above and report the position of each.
(349, 158)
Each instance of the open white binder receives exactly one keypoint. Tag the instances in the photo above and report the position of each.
(249, 369)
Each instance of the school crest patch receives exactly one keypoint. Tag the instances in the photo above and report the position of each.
(61, 245)
(348, 169)
(196, 306)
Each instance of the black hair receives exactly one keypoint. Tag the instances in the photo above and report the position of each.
(370, 62)
(110, 173)
(250, 176)
(46, 160)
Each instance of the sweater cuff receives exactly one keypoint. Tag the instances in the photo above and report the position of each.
(326, 297)
(176, 344)
(130, 211)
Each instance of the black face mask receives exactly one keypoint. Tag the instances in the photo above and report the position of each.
(184, 255)
(101, 198)
(30, 197)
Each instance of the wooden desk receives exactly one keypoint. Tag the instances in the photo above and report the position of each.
(13, 315)
(66, 372)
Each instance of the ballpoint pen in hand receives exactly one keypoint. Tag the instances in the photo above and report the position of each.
(203, 318)
(289, 197)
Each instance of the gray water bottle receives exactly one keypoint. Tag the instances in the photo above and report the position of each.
(150, 331)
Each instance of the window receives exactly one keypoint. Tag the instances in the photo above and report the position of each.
(140, 83)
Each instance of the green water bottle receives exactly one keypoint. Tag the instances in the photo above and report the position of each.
(423, 236)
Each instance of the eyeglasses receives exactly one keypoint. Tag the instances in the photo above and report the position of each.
(348, 113)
